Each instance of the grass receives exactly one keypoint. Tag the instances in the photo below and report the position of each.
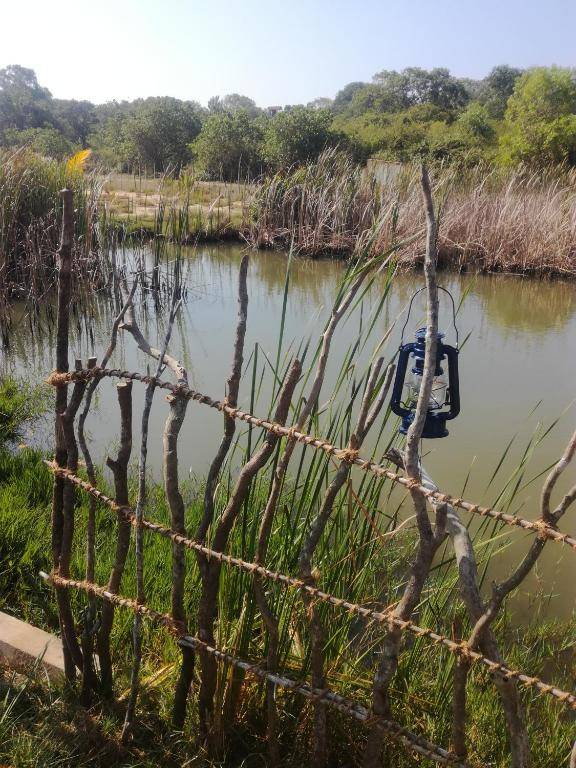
(204, 210)
(43, 726)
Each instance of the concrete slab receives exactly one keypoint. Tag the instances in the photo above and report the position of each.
(21, 645)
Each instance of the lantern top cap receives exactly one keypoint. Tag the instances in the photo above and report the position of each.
(420, 335)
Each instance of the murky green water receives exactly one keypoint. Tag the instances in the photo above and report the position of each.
(518, 375)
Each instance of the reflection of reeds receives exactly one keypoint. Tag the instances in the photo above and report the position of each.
(510, 221)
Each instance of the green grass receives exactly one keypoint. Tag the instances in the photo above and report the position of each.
(43, 726)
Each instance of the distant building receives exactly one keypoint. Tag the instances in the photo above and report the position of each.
(273, 110)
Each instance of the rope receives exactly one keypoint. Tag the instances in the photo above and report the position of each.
(325, 696)
(461, 649)
(541, 528)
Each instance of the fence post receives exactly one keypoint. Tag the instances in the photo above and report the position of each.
(72, 653)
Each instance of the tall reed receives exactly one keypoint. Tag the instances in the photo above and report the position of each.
(492, 220)
(30, 217)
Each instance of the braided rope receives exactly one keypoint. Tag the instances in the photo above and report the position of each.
(461, 649)
(539, 527)
(325, 696)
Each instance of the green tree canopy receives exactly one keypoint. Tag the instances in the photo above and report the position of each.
(346, 94)
(420, 86)
(297, 135)
(497, 87)
(158, 132)
(48, 141)
(233, 102)
(229, 146)
(24, 103)
(540, 120)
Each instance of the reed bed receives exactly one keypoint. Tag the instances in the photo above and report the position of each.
(492, 221)
(30, 219)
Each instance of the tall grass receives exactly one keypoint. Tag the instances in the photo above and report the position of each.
(501, 221)
(30, 217)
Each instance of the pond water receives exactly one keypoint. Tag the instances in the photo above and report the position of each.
(518, 376)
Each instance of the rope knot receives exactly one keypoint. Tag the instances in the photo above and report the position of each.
(348, 455)
(57, 379)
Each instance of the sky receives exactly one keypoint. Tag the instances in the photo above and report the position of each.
(275, 52)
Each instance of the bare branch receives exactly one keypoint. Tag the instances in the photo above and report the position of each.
(232, 400)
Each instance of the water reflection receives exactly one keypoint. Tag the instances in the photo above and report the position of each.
(526, 305)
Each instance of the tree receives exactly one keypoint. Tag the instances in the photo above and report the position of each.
(378, 98)
(233, 102)
(297, 136)
(229, 146)
(24, 103)
(48, 141)
(497, 87)
(419, 86)
(474, 124)
(159, 131)
(320, 103)
(346, 94)
(540, 119)
(76, 119)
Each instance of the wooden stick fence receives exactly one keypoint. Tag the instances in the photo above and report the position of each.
(327, 697)
(461, 649)
(481, 648)
(539, 527)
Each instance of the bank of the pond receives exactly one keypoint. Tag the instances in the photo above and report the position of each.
(492, 220)
(41, 726)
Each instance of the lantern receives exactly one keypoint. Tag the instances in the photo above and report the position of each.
(444, 402)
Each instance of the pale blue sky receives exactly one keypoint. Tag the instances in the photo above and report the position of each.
(276, 52)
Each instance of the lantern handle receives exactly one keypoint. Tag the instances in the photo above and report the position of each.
(440, 288)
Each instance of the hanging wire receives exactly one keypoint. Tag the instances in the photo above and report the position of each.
(440, 288)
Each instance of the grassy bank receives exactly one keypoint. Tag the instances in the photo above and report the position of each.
(184, 209)
(43, 726)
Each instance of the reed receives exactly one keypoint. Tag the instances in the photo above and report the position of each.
(491, 220)
(30, 218)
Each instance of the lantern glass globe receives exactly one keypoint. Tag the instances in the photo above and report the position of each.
(437, 396)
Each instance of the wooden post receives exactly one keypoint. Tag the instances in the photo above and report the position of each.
(72, 653)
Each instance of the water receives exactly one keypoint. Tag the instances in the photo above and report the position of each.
(518, 375)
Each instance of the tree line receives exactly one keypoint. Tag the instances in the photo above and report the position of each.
(510, 116)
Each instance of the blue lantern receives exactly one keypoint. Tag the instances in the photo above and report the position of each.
(444, 402)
